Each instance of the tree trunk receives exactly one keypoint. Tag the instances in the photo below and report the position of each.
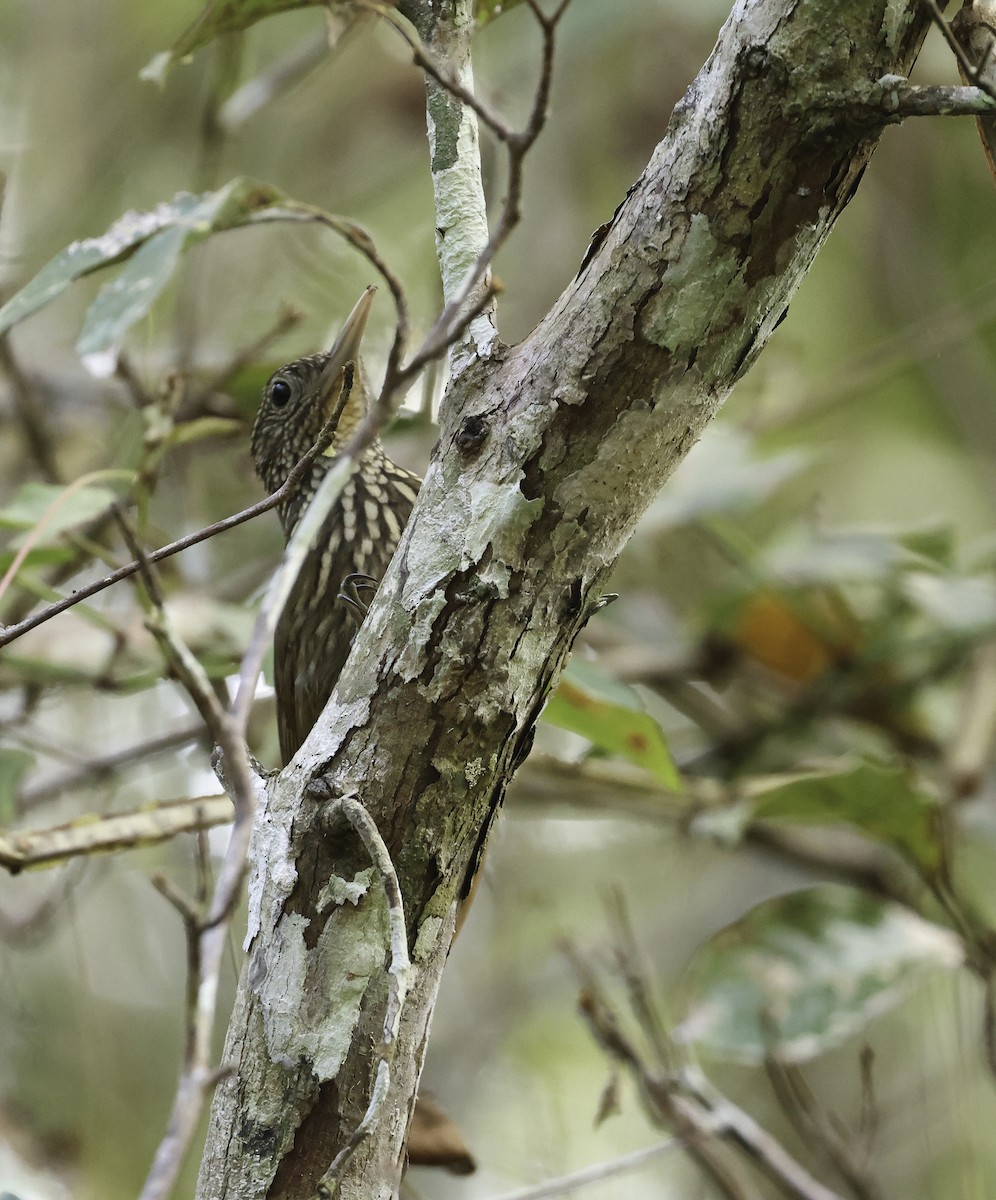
(501, 566)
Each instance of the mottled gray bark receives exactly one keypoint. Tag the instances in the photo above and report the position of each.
(500, 568)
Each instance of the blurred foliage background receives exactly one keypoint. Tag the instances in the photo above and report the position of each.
(813, 591)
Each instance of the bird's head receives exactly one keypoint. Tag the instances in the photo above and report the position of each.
(300, 398)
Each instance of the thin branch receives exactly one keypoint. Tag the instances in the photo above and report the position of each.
(822, 1133)
(738, 1126)
(687, 1102)
(635, 971)
(207, 934)
(972, 71)
(12, 632)
(462, 306)
(400, 966)
(86, 837)
(192, 920)
(30, 927)
(518, 146)
(896, 100)
(287, 318)
(594, 1174)
(95, 770)
(437, 71)
(362, 242)
(605, 1025)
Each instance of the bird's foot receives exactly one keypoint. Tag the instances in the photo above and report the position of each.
(351, 586)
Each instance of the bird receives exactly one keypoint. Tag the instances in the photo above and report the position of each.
(353, 549)
(359, 536)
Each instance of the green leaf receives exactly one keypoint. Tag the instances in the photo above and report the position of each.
(841, 556)
(35, 500)
(218, 17)
(933, 542)
(958, 604)
(91, 254)
(155, 239)
(37, 556)
(880, 801)
(130, 296)
(610, 715)
(799, 974)
(205, 427)
(723, 473)
(838, 556)
(13, 764)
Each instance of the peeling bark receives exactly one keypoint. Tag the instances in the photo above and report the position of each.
(548, 454)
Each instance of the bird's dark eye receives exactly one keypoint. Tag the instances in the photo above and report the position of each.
(280, 392)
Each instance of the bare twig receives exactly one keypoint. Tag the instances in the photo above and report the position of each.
(595, 1174)
(95, 770)
(122, 831)
(12, 632)
(898, 100)
(362, 242)
(822, 1132)
(192, 920)
(30, 927)
(606, 1027)
(685, 1101)
(287, 318)
(975, 72)
(733, 1124)
(518, 144)
(635, 972)
(207, 934)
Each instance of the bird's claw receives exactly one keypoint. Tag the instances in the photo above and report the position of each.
(351, 587)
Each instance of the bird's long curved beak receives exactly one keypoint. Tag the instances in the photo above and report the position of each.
(347, 345)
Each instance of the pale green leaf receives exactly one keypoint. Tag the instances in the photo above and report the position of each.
(958, 604)
(611, 716)
(128, 297)
(722, 473)
(170, 228)
(839, 556)
(35, 500)
(216, 18)
(799, 974)
(881, 801)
